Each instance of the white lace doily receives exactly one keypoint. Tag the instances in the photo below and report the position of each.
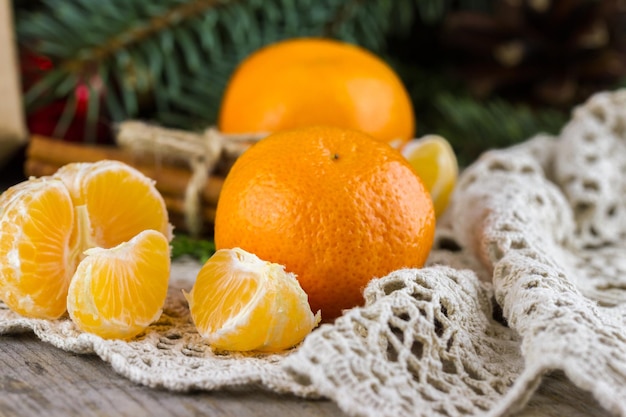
(526, 278)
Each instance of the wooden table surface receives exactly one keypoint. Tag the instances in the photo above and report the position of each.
(38, 379)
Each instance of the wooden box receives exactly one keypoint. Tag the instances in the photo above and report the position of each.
(13, 132)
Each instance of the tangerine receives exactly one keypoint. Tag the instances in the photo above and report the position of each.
(334, 206)
(46, 225)
(434, 160)
(118, 292)
(240, 302)
(307, 81)
(36, 220)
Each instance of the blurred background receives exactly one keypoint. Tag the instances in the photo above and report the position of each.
(482, 73)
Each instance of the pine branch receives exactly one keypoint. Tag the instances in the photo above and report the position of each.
(473, 127)
(434, 11)
(167, 19)
(168, 61)
(198, 248)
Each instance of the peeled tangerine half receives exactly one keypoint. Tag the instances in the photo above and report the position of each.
(46, 224)
(434, 160)
(242, 303)
(36, 220)
(118, 292)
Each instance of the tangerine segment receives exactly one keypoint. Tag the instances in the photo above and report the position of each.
(119, 201)
(242, 303)
(434, 160)
(300, 82)
(36, 220)
(118, 292)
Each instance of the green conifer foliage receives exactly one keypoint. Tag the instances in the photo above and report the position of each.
(168, 61)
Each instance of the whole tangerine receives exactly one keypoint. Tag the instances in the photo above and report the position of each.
(333, 205)
(306, 81)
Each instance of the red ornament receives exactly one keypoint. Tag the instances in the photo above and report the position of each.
(45, 120)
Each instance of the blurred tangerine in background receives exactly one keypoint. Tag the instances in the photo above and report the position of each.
(309, 81)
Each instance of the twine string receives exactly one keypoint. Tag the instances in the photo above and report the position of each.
(201, 152)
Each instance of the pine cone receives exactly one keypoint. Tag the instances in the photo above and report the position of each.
(550, 52)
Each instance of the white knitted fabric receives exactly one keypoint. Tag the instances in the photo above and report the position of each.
(524, 294)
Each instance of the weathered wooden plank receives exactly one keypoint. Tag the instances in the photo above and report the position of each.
(37, 379)
(558, 397)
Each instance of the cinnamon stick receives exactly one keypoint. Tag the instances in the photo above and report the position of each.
(176, 214)
(169, 179)
(177, 206)
(35, 168)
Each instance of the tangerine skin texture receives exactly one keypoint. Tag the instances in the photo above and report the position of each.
(306, 81)
(334, 206)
